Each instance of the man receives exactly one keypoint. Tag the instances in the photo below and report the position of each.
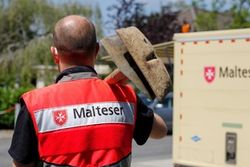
(80, 120)
(185, 27)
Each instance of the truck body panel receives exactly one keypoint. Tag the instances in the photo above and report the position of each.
(212, 98)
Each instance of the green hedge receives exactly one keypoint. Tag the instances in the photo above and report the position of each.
(9, 97)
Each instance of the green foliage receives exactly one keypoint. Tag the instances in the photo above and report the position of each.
(23, 20)
(241, 14)
(241, 20)
(22, 68)
(206, 21)
(98, 22)
(25, 35)
(222, 14)
(9, 97)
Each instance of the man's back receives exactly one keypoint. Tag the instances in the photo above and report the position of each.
(96, 126)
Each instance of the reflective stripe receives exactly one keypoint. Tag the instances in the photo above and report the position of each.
(51, 119)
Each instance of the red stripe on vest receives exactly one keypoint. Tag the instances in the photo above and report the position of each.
(94, 145)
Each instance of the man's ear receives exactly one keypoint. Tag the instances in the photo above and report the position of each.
(96, 48)
(54, 53)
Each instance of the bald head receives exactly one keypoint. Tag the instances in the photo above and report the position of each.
(74, 34)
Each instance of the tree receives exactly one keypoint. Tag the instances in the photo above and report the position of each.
(206, 21)
(25, 35)
(236, 14)
(241, 14)
(209, 19)
(157, 27)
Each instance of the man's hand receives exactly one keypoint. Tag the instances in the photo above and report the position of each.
(159, 128)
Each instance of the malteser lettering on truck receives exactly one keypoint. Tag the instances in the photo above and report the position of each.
(234, 72)
(212, 99)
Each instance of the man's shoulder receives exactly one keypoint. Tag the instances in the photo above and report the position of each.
(39, 90)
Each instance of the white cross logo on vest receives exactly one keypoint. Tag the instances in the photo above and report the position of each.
(60, 117)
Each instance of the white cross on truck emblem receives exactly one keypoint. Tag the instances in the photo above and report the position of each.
(209, 73)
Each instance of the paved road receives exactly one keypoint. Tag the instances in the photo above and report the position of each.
(155, 153)
(5, 159)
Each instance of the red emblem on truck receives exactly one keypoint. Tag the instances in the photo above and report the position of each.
(209, 73)
(60, 117)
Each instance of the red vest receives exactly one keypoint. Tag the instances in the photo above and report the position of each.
(81, 123)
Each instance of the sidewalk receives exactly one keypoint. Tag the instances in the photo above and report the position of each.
(4, 134)
(153, 163)
(5, 139)
(146, 158)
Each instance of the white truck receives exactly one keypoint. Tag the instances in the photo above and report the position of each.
(212, 99)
